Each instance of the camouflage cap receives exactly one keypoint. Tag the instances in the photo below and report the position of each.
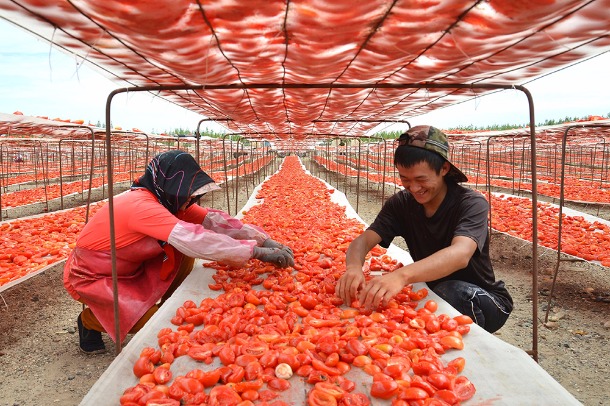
(432, 139)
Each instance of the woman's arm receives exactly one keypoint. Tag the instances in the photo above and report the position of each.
(195, 241)
(220, 222)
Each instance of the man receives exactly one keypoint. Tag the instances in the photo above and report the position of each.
(445, 227)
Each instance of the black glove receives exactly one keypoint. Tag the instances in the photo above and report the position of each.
(277, 256)
(269, 243)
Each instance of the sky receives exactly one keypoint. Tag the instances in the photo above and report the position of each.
(40, 80)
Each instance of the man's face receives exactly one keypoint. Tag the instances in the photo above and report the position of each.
(427, 187)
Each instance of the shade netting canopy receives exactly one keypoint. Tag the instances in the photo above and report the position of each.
(303, 69)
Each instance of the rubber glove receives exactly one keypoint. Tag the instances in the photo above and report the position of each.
(276, 256)
(270, 243)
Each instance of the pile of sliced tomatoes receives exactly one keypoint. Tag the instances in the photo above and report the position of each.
(28, 245)
(580, 237)
(48, 192)
(589, 240)
(272, 329)
(575, 189)
(54, 191)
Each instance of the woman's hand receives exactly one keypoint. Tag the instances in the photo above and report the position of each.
(269, 243)
(276, 256)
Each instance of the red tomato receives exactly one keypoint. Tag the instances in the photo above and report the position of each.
(418, 295)
(413, 393)
(318, 397)
(397, 371)
(321, 366)
(463, 319)
(423, 367)
(452, 342)
(371, 369)
(335, 390)
(316, 376)
(200, 353)
(163, 402)
(269, 359)
(361, 361)
(143, 366)
(256, 348)
(290, 359)
(237, 374)
(345, 383)
(308, 301)
(266, 395)
(449, 324)
(131, 395)
(153, 354)
(440, 380)
(463, 388)
(418, 383)
(458, 364)
(278, 384)
(223, 395)
(433, 325)
(244, 386)
(356, 347)
(355, 399)
(245, 360)
(227, 355)
(431, 305)
(417, 323)
(188, 385)
(253, 370)
(447, 395)
(252, 298)
(162, 375)
(384, 389)
(210, 378)
(250, 395)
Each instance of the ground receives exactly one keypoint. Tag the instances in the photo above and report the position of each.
(40, 363)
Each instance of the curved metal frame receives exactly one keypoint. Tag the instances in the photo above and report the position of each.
(561, 203)
(91, 170)
(533, 352)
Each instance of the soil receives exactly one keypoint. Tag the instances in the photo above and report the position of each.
(40, 363)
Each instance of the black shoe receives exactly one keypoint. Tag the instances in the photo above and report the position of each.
(90, 341)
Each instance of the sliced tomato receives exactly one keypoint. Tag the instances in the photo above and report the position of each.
(463, 388)
(319, 397)
(222, 395)
(384, 389)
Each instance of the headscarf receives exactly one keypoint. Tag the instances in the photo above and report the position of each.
(172, 177)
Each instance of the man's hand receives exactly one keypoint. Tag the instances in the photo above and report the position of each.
(381, 289)
(352, 281)
(348, 285)
(276, 256)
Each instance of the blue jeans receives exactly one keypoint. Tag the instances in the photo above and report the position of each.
(475, 302)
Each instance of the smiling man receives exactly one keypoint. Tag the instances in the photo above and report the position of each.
(445, 227)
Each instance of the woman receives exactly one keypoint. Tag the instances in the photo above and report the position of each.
(158, 232)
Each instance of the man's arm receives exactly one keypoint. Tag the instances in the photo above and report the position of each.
(353, 279)
(438, 265)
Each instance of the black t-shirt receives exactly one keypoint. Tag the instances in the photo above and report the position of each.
(463, 212)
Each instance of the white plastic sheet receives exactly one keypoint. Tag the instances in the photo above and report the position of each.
(501, 373)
